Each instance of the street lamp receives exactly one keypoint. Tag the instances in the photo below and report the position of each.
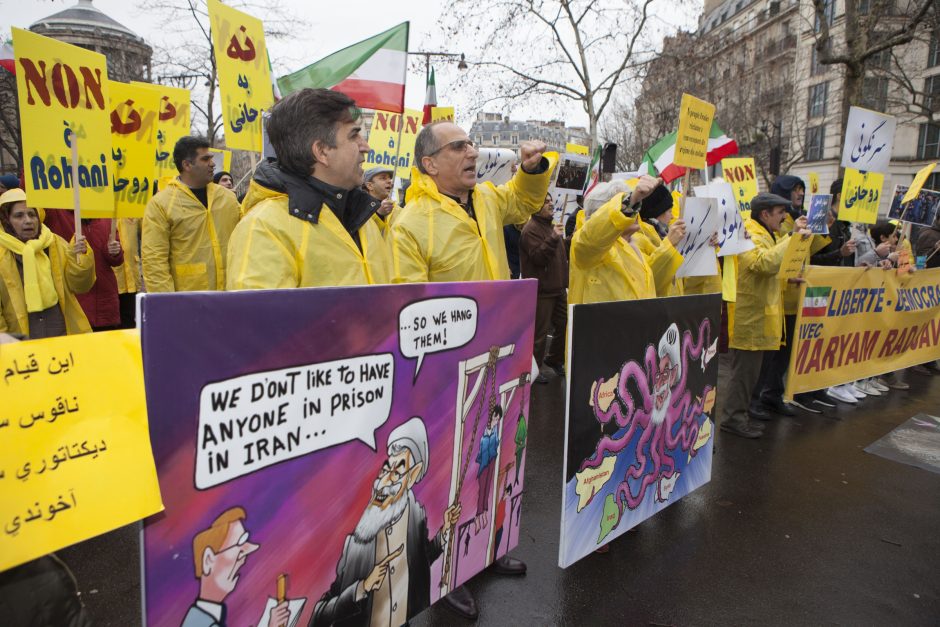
(461, 65)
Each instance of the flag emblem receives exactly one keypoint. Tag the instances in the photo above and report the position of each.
(816, 301)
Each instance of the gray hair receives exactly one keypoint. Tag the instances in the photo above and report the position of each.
(602, 193)
(413, 436)
(425, 144)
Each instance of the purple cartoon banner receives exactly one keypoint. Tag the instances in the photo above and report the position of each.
(641, 389)
(332, 456)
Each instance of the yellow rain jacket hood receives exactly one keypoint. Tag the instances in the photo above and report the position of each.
(663, 258)
(70, 275)
(292, 237)
(434, 239)
(183, 243)
(757, 316)
(603, 266)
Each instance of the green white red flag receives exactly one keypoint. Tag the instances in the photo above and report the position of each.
(659, 157)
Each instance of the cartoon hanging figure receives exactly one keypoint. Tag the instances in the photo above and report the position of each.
(486, 461)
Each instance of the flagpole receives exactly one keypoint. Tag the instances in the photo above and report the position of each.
(401, 125)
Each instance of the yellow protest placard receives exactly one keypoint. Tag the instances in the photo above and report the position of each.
(63, 89)
(442, 114)
(861, 195)
(577, 149)
(383, 141)
(223, 161)
(813, 183)
(134, 114)
(695, 124)
(742, 175)
(244, 76)
(797, 253)
(173, 123)
(857, 322)
(918, 183)
(75, 456)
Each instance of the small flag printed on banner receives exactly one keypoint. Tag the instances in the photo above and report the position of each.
(816, 301)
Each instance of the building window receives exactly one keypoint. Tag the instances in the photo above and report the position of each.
(933, 56)
(928, 141)
(817, 99)
(932, 92)
(875, 93)
(933, 182)
(514, 139)
(815, 142)
(829, 10)
(818, 68)
(882, 60)
(495, 138)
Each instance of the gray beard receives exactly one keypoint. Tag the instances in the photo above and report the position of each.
(374, 519)
(659, 415)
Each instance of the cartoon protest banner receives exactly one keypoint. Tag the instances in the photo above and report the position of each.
(861, 195)
(695, 124)
(383, 140)
(75, 459)
(63, 90)
(134, 114)
(856, 323)
(373, 462)
(638, 422)
(241, 59)
(733, 238)
(702, 222)
(795, 257)
(495, 165)
(442, 114)
(923, 209)
(818, 216)
(869, 139)
(742, 175)
(173, 123)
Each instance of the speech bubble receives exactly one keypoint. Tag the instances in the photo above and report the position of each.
(436, 325)
(257, 420)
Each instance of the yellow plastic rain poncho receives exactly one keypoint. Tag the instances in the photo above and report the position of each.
(70, 276)
(181, 249)
(663, 258)
(603, 266)
(128, 274)
(433, 239)
(757, 315)
(791, 291)
(272, 249)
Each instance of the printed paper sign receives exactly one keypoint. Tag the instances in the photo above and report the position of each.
(573, 171)
(172, 124)
(923, 209)
(495, 165)
(442, 114)
(134, 114)
(918, 182)
(742, 175)
(818, 217)
(75, 458)
(861, 196)
(577, 149)
(796, 255)
(383, 141)
(733, 238)
(869, 139)
(695, 124)
(701, 223)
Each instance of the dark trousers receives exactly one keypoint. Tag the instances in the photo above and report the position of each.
(773, 368)
(745, 366)
(551, 315)
(128, 304)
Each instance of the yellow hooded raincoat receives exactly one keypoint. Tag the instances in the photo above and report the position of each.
(433, 238)
(70, 275)
(128, 273)
(663, 258)
(182, 250)
(603, 266)
(758, 312)
(271, 248)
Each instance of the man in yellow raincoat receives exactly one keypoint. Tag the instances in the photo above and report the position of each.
(307, 221)
(606, 265)
(187, 225)
(657, 239)
(451, 229)
(757, 316)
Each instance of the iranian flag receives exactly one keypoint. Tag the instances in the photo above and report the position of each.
(7, 61)
(594, 173)
(430, 98)
(816, 301)
(371, 72)
(660, 156)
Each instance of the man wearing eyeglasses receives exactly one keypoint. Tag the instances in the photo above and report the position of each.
(452, 229)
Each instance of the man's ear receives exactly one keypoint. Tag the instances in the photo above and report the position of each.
(429, 166)
(208, 561)
(320, 154)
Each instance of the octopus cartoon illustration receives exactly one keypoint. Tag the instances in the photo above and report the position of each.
(667, 415)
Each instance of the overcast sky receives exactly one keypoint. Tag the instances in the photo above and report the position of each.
(331, 25)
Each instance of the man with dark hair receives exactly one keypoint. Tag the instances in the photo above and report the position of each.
(187, 225)
(307, 220)
(466, 242)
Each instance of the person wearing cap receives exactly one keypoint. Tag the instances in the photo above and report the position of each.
(757, 316)
(40, 274)
(224, 179)
(657, 239)
(8, 182)
(308, 223)
(187, 225)
(606, 264)
(378, 183)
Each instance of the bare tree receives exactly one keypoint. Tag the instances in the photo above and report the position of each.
(575, 50)
(11, 139)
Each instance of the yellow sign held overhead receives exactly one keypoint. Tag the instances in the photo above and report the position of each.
(813, 183)
(244, 75)
(383, 141)
(695, 125)
(63, 89)
(75, 456)
(442, 114)
(577, 149)
(172, 124)
(742, 174)
(918, 183)
(134, 114)
(222, 159)
(861, 195)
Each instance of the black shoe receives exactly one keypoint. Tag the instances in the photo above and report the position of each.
(558, 368)
(759, 413)
(461, 602)
(745, 431)
(509, 566)
(778, 407)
